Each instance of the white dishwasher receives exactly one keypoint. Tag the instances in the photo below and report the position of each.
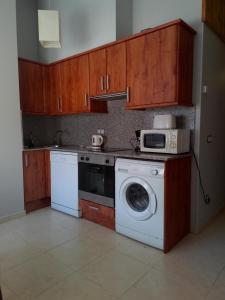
(64, 182)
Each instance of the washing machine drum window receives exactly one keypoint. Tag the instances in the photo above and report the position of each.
(138, 198)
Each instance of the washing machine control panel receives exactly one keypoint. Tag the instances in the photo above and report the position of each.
(142, 169)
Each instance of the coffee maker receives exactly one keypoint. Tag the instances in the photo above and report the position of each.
(135, 142)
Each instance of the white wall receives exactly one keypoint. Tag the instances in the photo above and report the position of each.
(26, 11)
(11, 183)
(124, 18)
(84, 24)
(150, 13)
(212, 156)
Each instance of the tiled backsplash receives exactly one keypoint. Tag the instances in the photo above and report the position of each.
(119, 125)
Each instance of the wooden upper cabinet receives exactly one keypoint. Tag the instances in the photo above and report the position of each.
(213, 14)
(69, 86)
(159, 68)
(97, 64)
(116, 68)
(53, 90)
(31, 87)
(108, 70)
(154, 67)
(34, 169)
(84, 104)
(82, 79)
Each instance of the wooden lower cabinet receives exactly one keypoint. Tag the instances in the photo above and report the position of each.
(36, 172)
(97, 213)
(177, 205)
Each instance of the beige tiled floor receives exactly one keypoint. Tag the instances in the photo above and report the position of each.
(49, 255)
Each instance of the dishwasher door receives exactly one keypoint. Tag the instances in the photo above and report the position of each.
(64, 182)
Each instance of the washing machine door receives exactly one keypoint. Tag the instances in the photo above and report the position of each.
(138, 198)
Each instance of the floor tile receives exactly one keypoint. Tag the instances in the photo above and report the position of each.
(125, 245)
(47, 237)
(114, 272)
(35, 276)
(158, 285)
(79, 252)
(75, 287)
(14, 251)
(191, 260)
(48, 254)
(7, 294)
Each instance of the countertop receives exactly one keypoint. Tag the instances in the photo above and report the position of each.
(130, 154)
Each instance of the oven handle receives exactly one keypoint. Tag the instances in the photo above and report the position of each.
(96, 168)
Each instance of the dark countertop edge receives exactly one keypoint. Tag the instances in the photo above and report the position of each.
(127, 154)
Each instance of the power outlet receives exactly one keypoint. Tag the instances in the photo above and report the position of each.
(209, 139)
(101, 131)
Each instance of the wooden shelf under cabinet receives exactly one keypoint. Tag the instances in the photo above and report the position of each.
(97, 213)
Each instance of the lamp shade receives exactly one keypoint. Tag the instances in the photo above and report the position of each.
(48, 26)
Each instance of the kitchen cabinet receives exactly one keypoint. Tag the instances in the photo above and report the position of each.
(36, 179)
(177, 205)
(160, 67)
(68, 88)
(213, 14)
(116, 68)
(97, 63)
(97, 213)
(108, 70)
(82, 79)
(153, 69)
(83, 102)
(31, 81)
(53, 89)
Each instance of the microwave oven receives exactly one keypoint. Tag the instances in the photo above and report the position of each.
(170, 141)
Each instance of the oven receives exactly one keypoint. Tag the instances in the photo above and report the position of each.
(96, 178)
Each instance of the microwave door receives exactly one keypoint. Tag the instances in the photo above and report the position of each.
(155, 141)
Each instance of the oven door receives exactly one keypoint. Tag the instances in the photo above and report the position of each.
(97, 183)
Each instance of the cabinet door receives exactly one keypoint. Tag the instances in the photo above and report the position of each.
(97, 63)
(82, 79)
(53, 90)
(31, 87)
(69, 86)
(116, 68)
(152, 69)
(34, 175)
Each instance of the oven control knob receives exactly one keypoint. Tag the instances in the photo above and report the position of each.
(155, 172)
(82, 158)
(107, 161)
(87, 158)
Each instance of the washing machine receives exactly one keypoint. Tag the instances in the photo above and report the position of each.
(139, 200)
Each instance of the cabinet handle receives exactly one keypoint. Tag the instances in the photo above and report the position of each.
(93, 208)
(86, 99)
(58, 103)
(128, 94)
(102, 83)
(26, 161)
(107, 82)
